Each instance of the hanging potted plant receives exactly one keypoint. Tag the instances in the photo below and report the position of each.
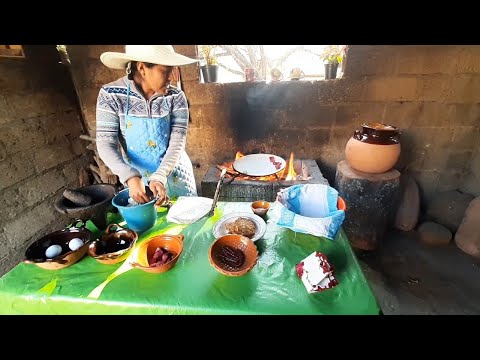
(210, 67)
(332, 56)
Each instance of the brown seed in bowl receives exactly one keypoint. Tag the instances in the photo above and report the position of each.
(242, 226)
(231, 257)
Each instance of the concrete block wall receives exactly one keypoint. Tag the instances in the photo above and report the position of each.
(40, 152)
(430, 92)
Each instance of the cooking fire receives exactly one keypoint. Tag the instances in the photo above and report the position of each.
(295, 170)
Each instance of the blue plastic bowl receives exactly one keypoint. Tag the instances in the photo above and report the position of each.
(140, 217)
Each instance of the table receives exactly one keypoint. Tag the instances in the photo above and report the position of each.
(193, 286)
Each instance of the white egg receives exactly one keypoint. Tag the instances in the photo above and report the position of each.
(75, 243)
(52, 251)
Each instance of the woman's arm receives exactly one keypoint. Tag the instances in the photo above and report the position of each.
(178, 137)
(108, 124)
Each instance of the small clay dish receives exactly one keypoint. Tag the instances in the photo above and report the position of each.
(114, 246)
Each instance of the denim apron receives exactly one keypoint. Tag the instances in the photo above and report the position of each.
(147, 141)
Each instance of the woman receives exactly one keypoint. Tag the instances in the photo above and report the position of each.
(149, 119)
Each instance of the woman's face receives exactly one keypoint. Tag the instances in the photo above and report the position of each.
(157, 77)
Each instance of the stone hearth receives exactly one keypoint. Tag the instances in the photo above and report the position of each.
(238, 189)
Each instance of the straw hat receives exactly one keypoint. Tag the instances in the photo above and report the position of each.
(155, 54)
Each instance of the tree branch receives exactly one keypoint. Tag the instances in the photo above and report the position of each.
(237, 56)
(263, 61)
(284, 57)
(251, 55)
(236, 72)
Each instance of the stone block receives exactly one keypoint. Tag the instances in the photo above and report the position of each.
(371, 201)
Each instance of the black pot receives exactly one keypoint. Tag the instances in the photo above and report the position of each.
(102, 195)
(210, 73)
(331, 71)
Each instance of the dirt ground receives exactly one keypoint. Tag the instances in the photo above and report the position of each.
(409, 277)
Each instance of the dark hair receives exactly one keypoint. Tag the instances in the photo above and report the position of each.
(133, 67)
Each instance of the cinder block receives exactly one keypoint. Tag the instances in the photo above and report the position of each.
(402, 114)
(343, 90)
(16, 168)
(71, 170)
(283, 142)
(89, 96)
(316, 140)
(293, 93)
(348, 115)
(36, 189)
(29, 224)
(4, 247)
(475, 164)
(434, 88)
(6, 115)
(410, 59)
(370, 112)
(467, 114)
(199, 94)
(187, 50)
(353, 115)
(465, 138)
(21, 135)
(435, 159)
(391, 89)
(190, 73)
(434, 115)
(11, 259)
(339, 138)
(382, 60)
(470, 184)
(92, 73)
(210, 116)
(440, 59)
(464, 89)
(468, 60)
(34, 104)
(459, 160)
(59, 126)
(450, 179)
(310, 116)
(94, 51)
(357, 57)
(46, 157)
(16, 77)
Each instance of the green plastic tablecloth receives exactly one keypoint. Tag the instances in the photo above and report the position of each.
(193, 286)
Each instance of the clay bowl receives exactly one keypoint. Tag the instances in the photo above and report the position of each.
(35, 253)
(113, 247)
(239, 242)
(260, 207)
(172, 243)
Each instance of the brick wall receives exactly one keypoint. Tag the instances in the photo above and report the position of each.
(430, 92)
(40, 153)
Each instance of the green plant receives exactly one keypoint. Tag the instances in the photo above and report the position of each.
(333, 54)
(209, 54)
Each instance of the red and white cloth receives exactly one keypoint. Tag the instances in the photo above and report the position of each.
(316, 273)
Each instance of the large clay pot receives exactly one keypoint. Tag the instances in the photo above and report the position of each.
(375, 149)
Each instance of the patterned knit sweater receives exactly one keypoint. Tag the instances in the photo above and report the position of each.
(111, 106)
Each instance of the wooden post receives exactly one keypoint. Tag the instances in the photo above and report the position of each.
(371, 202)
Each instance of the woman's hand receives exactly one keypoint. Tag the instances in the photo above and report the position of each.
(137, 190)
(159, 191)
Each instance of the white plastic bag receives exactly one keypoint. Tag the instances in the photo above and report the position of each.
(310, 209)
(188, 209)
